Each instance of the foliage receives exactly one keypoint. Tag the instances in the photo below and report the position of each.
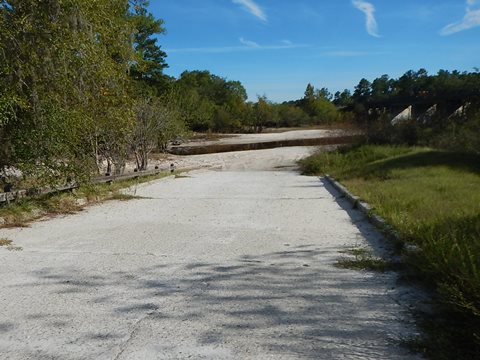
(363, 259)
(210, 102)
(263, 114)
(419, 87)
(151, 60)
(156, 124)
(63, 66)
(318, 105)
(290, 115)
(73, 73)
(343, 99)
(459, 134)
(431, 197)
(444, 114)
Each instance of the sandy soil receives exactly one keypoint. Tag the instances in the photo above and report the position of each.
(267, 137)
(243, 160)
(270, 159)
(232, 264)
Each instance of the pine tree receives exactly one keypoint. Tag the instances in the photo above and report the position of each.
(151, 58)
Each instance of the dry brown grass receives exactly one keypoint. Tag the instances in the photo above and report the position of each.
(25, 211)
(5, 242)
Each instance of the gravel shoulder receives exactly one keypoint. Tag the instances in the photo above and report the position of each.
(232, 264)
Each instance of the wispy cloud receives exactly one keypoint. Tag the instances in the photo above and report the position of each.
(345, 53)
(470, 20)
(252, 8)
(246, 45)
(369, 10)
(348, 53)
(249, 43)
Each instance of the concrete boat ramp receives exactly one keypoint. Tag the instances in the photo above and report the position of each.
(232, 264)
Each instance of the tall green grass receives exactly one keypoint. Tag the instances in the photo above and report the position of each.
(432, 198)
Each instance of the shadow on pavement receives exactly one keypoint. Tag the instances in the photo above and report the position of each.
(292, 302)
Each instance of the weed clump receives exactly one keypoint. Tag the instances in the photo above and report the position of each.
(8, 244)
(5, 242)
(363, 259)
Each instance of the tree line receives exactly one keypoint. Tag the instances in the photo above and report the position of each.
(446, 109)
(82, 85)
(411, 88)
(69, 93)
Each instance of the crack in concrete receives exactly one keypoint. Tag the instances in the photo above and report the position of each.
(135, 329)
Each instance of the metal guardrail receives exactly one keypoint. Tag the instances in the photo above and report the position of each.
(20, 194)
(134, 175)
(8, 197)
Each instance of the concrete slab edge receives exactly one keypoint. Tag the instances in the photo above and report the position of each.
(386, 229)
(366, 209)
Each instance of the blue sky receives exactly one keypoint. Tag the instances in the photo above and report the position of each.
(276, 47)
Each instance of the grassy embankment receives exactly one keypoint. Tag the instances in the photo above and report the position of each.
(432, 198)
(20, 213)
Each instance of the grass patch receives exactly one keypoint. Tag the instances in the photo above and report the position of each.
(432, 199)
(20, 213)
(125, 197)
(363, 260)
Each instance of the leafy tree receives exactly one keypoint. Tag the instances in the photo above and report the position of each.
(324, 112)
(216, 89)
(211, 102)
(317, 104)
(63, 64)
(197, 111)
(291, 115)
(154, 122)
(264, 113)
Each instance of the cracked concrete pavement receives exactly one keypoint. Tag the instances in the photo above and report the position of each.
(217, 265)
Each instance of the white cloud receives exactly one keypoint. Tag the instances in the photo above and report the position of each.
(345, 53)
(247, 45)
(369, 10)
(470, 20)
(252, 8)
